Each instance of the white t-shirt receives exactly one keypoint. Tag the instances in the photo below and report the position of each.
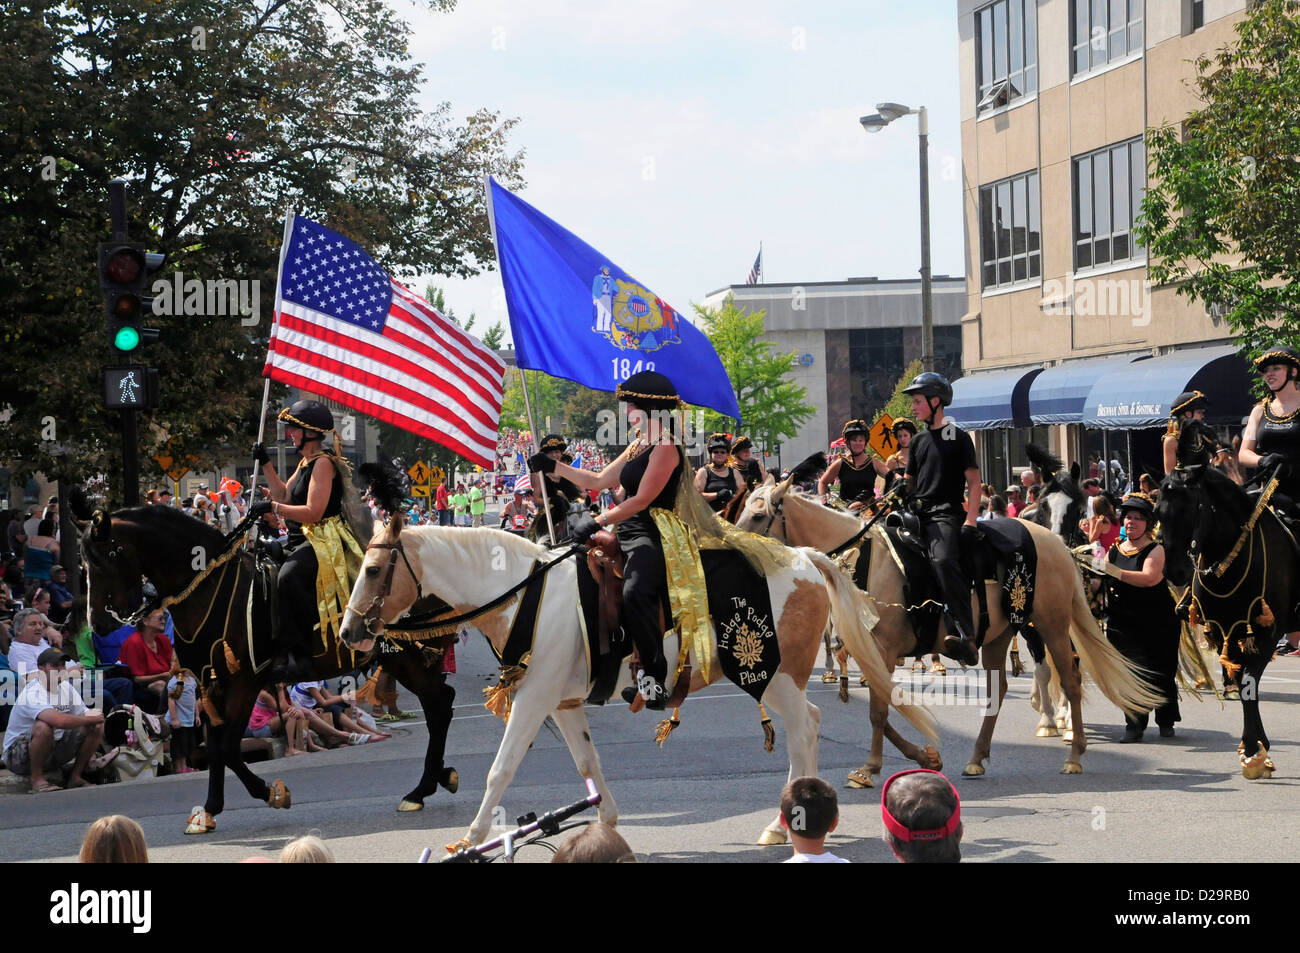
(300, 694)
(33, 700)
(22, 657)
(826, 857)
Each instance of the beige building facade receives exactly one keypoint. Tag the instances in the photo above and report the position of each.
(1055, 98)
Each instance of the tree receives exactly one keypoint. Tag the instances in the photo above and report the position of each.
(1221, 215)
(547, 394)
(221, 115)
(772, 408)
(492, 337)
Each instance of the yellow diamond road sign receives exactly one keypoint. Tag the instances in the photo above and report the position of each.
(882, 436)
(436, 476)
(420, 490)
(419, 473)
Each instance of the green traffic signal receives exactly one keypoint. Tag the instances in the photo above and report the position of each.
(126, 338)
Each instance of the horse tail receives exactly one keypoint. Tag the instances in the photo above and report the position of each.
(854, 616)
(1119, 679)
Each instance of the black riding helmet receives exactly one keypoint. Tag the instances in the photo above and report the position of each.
(719, 441)
(902, 423)
(856, 427)
(552, 441)
(1189, 402)
(930, 384)
(1280, 355)
(649, 390)
(1139, 503)
(744, 443)
(312, 416)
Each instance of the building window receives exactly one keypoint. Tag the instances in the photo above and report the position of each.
(875, 364)
(1006, 52)
(1108, 187)
(1105, 30)
(1197, 15)
(1011, 236)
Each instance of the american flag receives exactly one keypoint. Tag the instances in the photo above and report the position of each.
(347, 331)
(756, 270)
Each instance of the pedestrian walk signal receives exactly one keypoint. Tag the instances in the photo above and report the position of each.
(131, 387)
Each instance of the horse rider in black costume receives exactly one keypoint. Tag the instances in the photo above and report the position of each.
(312, 504)
(649, 471)
(1271, 440)
(853, 468)
(561, 494)
(719, 482)
(941, 465)
(742, 452)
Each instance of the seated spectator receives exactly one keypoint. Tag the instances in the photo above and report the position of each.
(306, 850)
(50, 725)
(182, 691)
(597, 843)
(42, 553)
(922, 815)
(115, 839)
(61, 596)
(273, 715)
(329, 715)
(809, 811)
(148, 654)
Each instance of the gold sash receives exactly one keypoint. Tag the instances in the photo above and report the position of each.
(686, 593)
(338, 563)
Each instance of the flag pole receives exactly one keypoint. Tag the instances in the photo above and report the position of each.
(543, 497)
(266, 388)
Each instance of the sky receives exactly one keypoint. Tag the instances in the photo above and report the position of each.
(676, 136)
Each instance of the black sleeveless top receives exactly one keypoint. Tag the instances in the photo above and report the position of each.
(1281, 435)
(298, 487)
(752, 471)
(1133, 608)
(856, 483)
(713, 483)
(630, 479)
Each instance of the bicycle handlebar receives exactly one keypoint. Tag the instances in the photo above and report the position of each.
(548, 824)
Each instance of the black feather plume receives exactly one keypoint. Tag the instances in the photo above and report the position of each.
(79, 505)
(805, 470)
(1044, 461)
(384, 484)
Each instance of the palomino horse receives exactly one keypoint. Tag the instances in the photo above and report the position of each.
(217, 625)
(1060, 609)
(1244, 578)
(489, 563)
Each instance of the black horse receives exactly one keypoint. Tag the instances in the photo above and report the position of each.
(1060, 501)
(214, 641)
(1243, 569)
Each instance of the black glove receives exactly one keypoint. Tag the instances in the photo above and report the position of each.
(725, 495)
(972, 531)
(260, 508)
(260, 454)
(540, 463)
(1271, 461)
(583, 528)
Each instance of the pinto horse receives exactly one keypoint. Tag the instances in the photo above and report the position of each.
(218, 625)
(1060, 611)
(1243, 569)
(557, 679)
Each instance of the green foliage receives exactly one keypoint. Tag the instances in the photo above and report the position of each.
(1221, 215)
(771, 407)
(492, 336)
(900, 404)
(547, 394)
(221, 115)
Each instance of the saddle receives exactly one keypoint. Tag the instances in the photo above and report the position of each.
(1002, 551)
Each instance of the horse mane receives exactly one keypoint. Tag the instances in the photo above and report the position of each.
(171, 522)
(482, 541)
(1044, 461)
(808, 468)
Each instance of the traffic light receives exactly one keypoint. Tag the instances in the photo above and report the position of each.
(124, 270)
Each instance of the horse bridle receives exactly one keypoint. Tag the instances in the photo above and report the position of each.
(776, 509)
(373, 614)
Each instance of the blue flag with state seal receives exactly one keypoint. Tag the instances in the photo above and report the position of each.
(577, 315)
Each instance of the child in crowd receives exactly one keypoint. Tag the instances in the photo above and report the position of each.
(809, 811)
(182, 694)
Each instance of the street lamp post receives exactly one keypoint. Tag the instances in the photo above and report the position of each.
(888, 112)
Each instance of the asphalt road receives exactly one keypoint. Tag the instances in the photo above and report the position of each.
(709, 792)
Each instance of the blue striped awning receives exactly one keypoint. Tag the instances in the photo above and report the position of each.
(1058, 394)
(993, 400)
(1136, 395)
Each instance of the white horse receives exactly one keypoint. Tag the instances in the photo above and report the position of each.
(1060, 615)
(467, 569)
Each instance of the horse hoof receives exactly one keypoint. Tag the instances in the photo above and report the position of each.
(973, 770)
(1047, 731)
(829, 677)
(930, 758)
(410, 806)
(278, 796)
(771, 838)
(860, 778)
(863, 681)
(459, 845)
(1067, 735)
(938, 669)
(1258, 767)
(200, 822)
(1072, 767)
(450, 781)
